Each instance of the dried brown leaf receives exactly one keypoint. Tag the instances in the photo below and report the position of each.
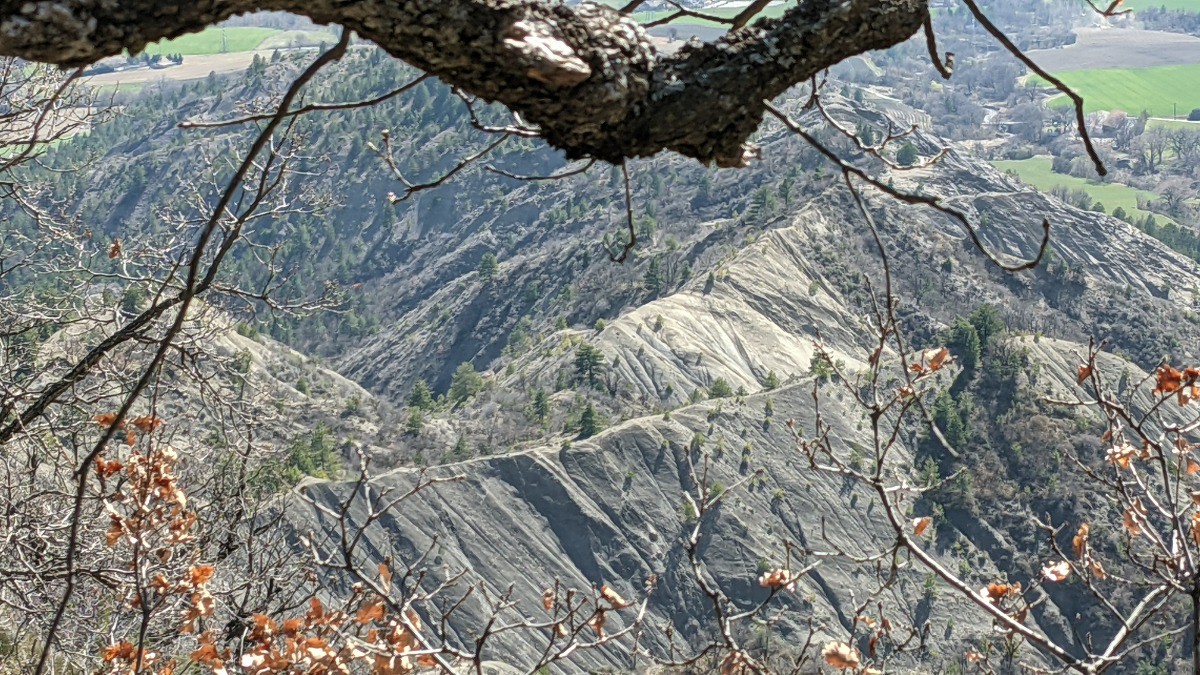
(841, 656)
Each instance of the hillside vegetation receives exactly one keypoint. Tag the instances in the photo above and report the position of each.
(412, 374)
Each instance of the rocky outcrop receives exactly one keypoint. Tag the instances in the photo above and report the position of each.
(610, 510)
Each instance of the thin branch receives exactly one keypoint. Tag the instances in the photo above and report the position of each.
(1058, 84)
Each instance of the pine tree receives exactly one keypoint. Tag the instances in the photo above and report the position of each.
(987, 323)
(421, 396)
(965, 344)
(720, 389)
(461, 451)
(907, 155)
(540, 406)
(488, 266)
(653, 279)
(415, 422)
(772, 381)
(465, 383)
(589, 422)
(949, 418)
(589, 362)
(820, 367)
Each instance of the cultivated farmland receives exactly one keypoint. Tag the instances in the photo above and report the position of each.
(213, 41)
(1101, 48)
(215, 50)
(238, 39)
(1185, 5)
(1162, 91)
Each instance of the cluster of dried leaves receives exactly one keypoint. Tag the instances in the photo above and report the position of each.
(778, 579)
(1181, 383)
(149, 518)
(324, 642)
(610, 601)
(845, 657)
(932, 363)
(147, 424)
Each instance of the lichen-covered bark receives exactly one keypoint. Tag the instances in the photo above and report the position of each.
(590, 78)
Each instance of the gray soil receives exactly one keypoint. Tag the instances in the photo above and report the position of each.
(1099, 48)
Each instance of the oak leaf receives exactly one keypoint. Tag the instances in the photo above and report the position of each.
(841, 656)
(316, 611)
(919, 525)
(613, 597)
(997, 591)
(122, 650)
(1081, 541)
(1056, 572)
(106, 420)
(370, 611)
(199, 574)
(1169, 380)
(1085, 371)
(736, 663)
(1121, 455)
(1134, 516)
(777, 579)
(106, 468)
(147, 423)
(597, 623)
(939, 359)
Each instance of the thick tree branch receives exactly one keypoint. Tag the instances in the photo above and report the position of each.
(587, 75)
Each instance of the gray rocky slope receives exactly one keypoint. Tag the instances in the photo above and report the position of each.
(609, 510)
(780, 284)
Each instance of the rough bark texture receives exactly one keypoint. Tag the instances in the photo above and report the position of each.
(590, 78)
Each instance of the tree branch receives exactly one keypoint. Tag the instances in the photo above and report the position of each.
(587, 75)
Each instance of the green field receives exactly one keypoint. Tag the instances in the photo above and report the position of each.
(1036, 172)
(1186, 5)
(1136, 89)
(291, 39)
(772, 11)
(213, 41)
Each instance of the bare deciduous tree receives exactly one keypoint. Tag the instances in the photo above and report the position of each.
(119, 541)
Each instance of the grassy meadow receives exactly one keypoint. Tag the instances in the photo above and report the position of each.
(213, 41)
(1036, 172)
